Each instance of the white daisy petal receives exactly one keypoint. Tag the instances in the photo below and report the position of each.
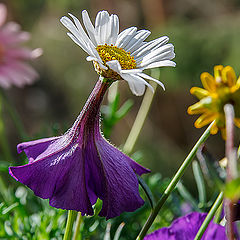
(97, 27)
(166, 48)
(89, 27)
(94, 53)
(79, 43)
(162, 56)
(80, 36)
(150, 46)
(70, 26)
(136, 87)
(106, 27)
(90, 58)
(101, 25)
(143, 75)
(131, 71)
(80, 29)
(137, 40)
(114, 30)
(164, 63)
(165, 52)
(136, 83)
(125, 36)
(115, 66)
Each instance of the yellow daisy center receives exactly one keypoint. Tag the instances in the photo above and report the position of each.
(109, 53)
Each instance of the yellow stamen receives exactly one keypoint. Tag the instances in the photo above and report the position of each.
(108, 53)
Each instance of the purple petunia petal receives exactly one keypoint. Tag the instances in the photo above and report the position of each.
(75, 169)
(187, 227)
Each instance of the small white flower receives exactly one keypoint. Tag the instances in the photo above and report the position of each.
(120, 55)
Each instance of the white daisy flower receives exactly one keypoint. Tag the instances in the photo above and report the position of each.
(120, 55)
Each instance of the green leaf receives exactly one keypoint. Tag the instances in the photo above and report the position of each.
(232, 189)
(125, 108)
(200, 183)
(4, 166)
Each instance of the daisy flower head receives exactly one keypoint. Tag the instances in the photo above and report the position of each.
(123, 55)
(13, 67)
(219, 90)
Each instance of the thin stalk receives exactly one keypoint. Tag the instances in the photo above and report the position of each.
(173, 183)
(112, 92)
(147, 191)
(231, 166)
(218, 214)
(209, 217)
(118, 232)
(78, 225)
(141, 116)
(69, 226)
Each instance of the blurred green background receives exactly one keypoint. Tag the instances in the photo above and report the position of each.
(204, 33)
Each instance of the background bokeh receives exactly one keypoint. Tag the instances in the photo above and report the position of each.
(204, 33)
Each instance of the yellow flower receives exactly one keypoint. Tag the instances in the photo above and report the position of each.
(219, 90)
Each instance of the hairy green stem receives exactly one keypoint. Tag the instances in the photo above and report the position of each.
(209, 217)
(78, 225)
(173, 183)
(69, 226)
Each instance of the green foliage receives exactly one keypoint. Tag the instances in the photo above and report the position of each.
(112, 113)
(232, 189)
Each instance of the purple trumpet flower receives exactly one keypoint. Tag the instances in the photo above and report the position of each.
(187, 227)
(77, 168)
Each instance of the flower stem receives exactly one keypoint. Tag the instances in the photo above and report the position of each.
(209, 217)
(141, 116)
(78, 225)
(173, 183)
(69, 226)
(147, 191)
(231, 166)
(217, 217)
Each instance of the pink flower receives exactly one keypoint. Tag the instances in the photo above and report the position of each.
(13, 69)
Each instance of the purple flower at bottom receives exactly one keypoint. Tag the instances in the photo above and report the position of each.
(186, 228)
(77, 168)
